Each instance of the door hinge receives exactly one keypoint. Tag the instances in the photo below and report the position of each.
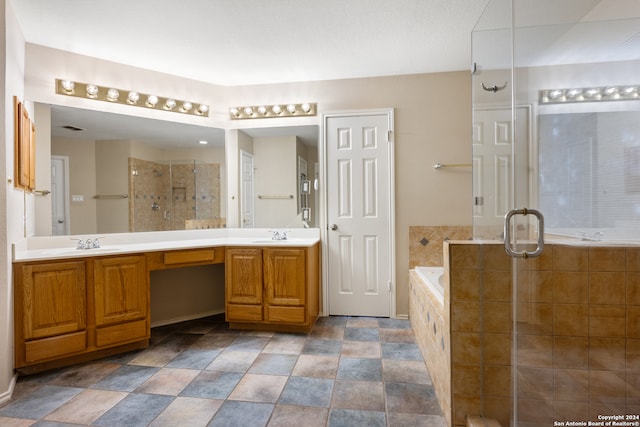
(389, 135)
(478, 201)
(390, 287)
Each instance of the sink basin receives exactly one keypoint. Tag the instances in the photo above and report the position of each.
(280, 242)
(74, 251)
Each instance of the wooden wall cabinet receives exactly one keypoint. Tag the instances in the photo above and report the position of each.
(272, 288)
(24, 148)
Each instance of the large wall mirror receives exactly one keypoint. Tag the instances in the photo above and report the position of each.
(278, 176)
(112, 173)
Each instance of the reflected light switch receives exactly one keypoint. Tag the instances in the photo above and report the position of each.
(77, 198)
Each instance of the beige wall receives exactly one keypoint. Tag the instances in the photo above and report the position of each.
(13, 203)
(275, 164)
(112, 178)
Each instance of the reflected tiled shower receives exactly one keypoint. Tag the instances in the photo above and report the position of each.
(173, 196)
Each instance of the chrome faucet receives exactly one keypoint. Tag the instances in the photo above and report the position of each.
(279, 235)
(88, 243)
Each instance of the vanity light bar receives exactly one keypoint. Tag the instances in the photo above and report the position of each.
(129, 97)
(271, 111)
(590, 94)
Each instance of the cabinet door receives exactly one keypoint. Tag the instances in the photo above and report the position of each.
(50, 311)
(285, 284)
(54, 299)
(121, 289)
(243, 284)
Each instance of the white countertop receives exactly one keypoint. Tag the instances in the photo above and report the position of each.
(62, 247)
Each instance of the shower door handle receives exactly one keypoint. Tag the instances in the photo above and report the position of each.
(507, 233)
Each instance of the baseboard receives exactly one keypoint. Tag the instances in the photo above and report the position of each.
(6, 396)
(186, 318)
(402, 316)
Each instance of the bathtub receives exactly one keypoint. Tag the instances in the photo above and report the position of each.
(432, 277)
(595, 236)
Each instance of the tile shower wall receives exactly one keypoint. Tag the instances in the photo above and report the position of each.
(425, 242)
(578, 319)
(167, 197)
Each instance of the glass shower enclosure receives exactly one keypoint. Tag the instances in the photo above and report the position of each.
(174, 195)
(556, 131)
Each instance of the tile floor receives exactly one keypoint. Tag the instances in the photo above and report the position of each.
(349, 371)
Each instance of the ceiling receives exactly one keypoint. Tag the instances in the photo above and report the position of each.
(239, 42)
(244, 42)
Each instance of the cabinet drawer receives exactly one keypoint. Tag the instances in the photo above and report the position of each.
(192, 256)
(243, 312)
(119, 334)
(47, 348)
(286, 314)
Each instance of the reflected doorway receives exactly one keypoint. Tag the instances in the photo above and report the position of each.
(60, 195)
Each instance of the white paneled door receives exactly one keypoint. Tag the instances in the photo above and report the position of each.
(493, 163)
(247, 189)
(360, 214)
(60, 195)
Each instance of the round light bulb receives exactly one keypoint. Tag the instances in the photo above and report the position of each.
(572, 93)
(113, 94)
(187, 106)
(306, 107)
(92, 91)
(276, 109)
(133, 97)
(248, 111)
(555, 94)
(67, 85)
(170, 104)
(262, 110)
(202, 109)
(234, 112)
(291, 108)
(592, 92)
(152, 100)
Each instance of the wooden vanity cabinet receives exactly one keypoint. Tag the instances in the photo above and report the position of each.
(285, 284)
(121, 299)
(243, 285)
(274, 288)
(75, 310)
(50, 311)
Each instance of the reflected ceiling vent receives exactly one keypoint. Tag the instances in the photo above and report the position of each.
(73, 128)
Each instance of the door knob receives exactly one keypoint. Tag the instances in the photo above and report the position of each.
(60, 221)
(334, 227)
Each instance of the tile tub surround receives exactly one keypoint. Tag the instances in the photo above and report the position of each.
(578, 320)
(431, 330)
(348, 371)
(425, 242)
